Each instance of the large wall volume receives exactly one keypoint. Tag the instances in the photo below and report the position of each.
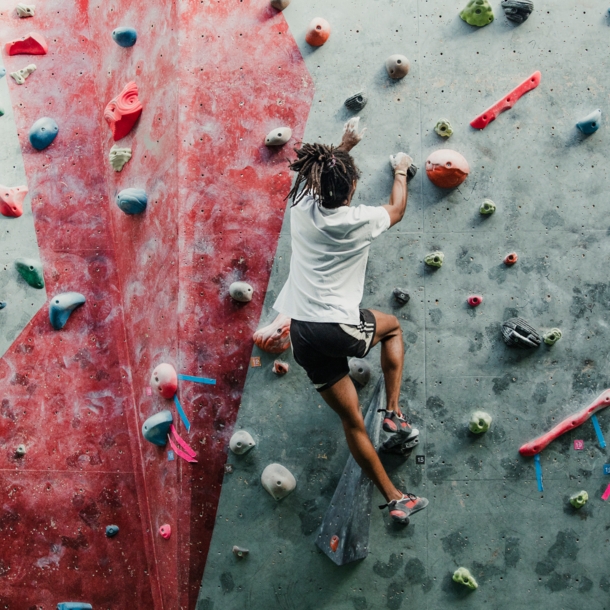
(526, 548)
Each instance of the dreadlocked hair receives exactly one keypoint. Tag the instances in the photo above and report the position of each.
(325, 172)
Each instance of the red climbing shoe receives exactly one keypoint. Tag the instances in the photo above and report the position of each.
(401, 510)
(402, 436)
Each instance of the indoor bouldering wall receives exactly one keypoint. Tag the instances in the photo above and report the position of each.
(526, 547)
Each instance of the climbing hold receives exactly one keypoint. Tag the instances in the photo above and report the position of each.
(590, 124)
(508, 101)
(112, 531)
(32, 44)
(446, 168)
(125, 37)
(479, 422)
(156, 428)
(241, 291)
(517, 10)
(411, 171)
(275, 337)
(43, 132)
(31, 271)
(516, 332)
(434, 259)
(278, 481)
(488, 207)
(25, 10)
(20, 76)
(132, 201)
(240, 552)
(1, 112)
(359, 371)
(118, 157)
(165, 531)
(474, 300)
(401, 295)
(165, 380)
(356, 102)
(477, 12)
(317, 32)
(334, 543)
(464, 577)
(62, 306)
(123, 111)
(280, 367)
(443, 128)
(20, 451)
(2, 72)
(397, 66)
(11, 200)
(2, 304)
(578, 500)
(74, 606)
(280, 5)
(552, 336)
(278, 137)
(241, 442)
(510, 259)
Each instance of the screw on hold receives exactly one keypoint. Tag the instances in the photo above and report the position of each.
(240, 552)
(165, 531)
(552, 336)
(487, 208)
(474, 300)
(112, 531)
(334, 543)
(356, 102)
(401, 295)
(20, 451)
(511, 259)
(434, 259)
(479, 422)
(443, 128)
(578, 500)
(464, 577)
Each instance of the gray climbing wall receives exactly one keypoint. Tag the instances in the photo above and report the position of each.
(527, 549)
(17, 235)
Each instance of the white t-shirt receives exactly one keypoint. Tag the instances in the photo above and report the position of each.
(330, 249)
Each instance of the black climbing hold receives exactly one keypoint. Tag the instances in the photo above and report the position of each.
(516, 332)
(411, 172)
(401, 295)
(112, 531)
(517, 10)
(356, 102)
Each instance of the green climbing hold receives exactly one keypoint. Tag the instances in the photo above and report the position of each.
(434, 259)
(487, 207)
(552, 336)
(1, 112)
(464, 577)
(580, 499)
(478, 12)
(443, 128)
(479, 422)
(31, 271)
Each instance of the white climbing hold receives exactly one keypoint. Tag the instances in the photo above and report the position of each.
(22, 74)
(241, 442)
(278, 137)
(278, 481)
(118, 157)
(241, 291)
(25, 10)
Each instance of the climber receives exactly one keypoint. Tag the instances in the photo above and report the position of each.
(330, 248)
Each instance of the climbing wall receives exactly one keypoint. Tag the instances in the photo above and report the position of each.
(526, 548)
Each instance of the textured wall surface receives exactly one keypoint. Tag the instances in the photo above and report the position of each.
(526, 548)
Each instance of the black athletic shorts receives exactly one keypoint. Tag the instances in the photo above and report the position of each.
(322, 348)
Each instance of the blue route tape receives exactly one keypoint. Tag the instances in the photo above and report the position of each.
(183, 417)
(197, 379)
(538, 471)
(598, 431)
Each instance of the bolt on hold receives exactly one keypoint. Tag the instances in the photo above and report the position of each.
(240, 552)
(511, 259)
(401, 295)
(434, 259)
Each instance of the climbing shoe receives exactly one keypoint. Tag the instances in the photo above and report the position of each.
(401, 510)
(402, 436)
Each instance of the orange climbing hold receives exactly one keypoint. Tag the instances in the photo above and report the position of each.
(32, 44)
(447, 168)
(317, 32)
(334, 544)
(123, 111)
(11, 200)
(275, 337)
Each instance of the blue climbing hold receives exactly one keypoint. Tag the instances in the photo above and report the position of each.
(132, 201)
(74, 606)
(2, 304)
(43, 132)
(2, 72)
(590, 124)
(62, 306)
(112, 531)
(156, 427)
(125, 37)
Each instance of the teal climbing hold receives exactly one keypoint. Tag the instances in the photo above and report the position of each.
(125, 37)
(156, 428)
(31, 271)
(62, 306)
(478, 12)
(132, 201)
(43, 132)
(590, 124)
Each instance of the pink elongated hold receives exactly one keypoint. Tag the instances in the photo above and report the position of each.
(275, 337)
(569, 423)
(508, 101)
(11, 200)
(474, 300)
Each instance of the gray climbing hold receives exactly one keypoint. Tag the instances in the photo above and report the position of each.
(578, 500)
(241, 291)
(240, 552)
(401, 295)
(132, 201)
(590, 124)
(516, 332)
(278, 481)
(487, 208)
(434, 259)
(356, 102)
(397, 66)
(125, 37)
(479, 422)
(25, 10)
(552, 336)
(43, 132)
(278, 136)
(2, 72)
(62, 306)
(280, 5)
(359, 371)
(241, 442)
(31, 271)
(517, 10)
(156, 428)
(464, 577)
(20, 451)
(112, 531)
(74, 606)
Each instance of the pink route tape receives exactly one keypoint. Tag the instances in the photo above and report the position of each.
(181, 442)
(180, 453)
(606, 493)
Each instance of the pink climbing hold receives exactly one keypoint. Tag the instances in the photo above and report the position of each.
(508, 101)
(274, 338)
(165, 380)
(32, 44)
(280, 367)
(165, 531)
(11, 200)
(474, 300)
(123, 111)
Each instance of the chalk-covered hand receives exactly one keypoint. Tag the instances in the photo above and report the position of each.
(400, 161)
(351, 135)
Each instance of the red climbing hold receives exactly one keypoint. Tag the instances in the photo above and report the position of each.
(508, 101)
(317, 32)
(334, 544)
(511, 259)
(123, 111)
(474, 300)
(32, 44)
(11, 200)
